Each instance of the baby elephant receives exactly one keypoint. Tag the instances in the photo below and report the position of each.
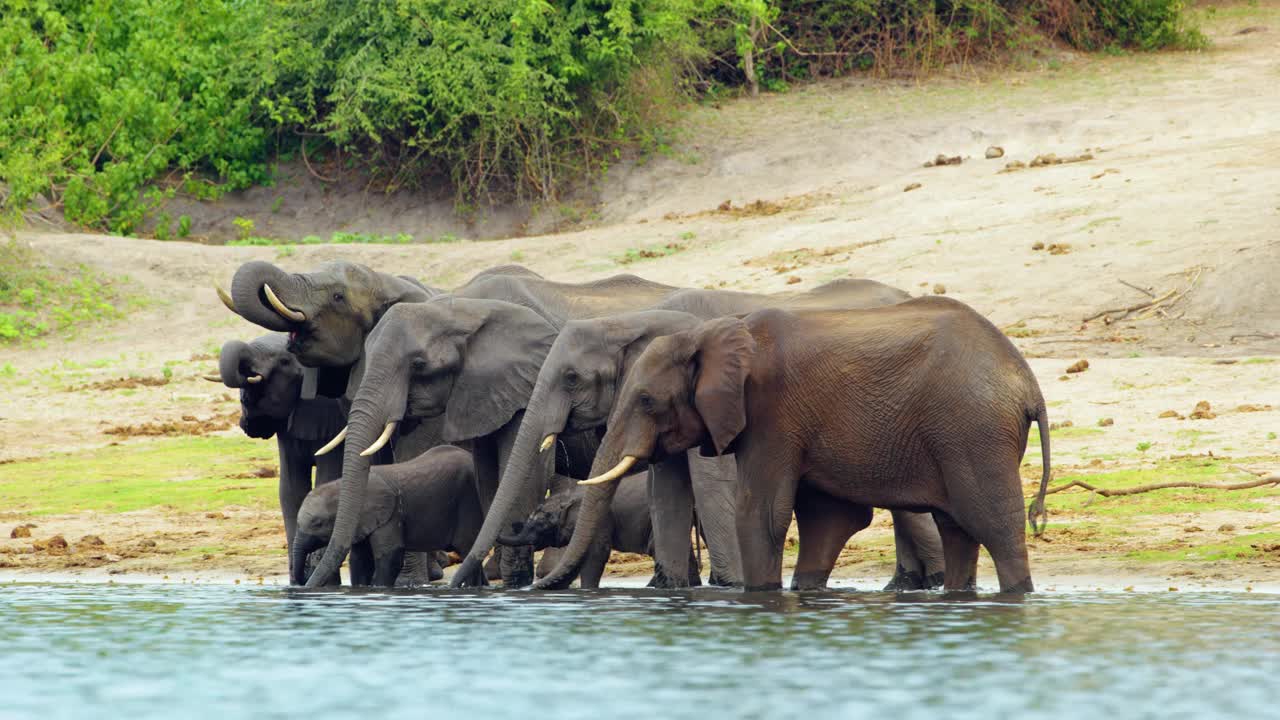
(425, 504)
(552, 523)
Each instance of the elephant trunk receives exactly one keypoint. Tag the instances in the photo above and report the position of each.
(546, 413)
(230, 361)
(593, 519)
(380, 401)
(250, 300)
(298, 549)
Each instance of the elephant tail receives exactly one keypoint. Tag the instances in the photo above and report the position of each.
(1036, 509)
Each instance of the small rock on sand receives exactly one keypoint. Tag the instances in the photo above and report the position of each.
(56, 545)
(939, 289)
(1037, 245)
(1106, 422)
(22, 531)
(941, 160)
(995, 151)
(1171, 414)
(793, 280)
(91, 541)
(1063, 424)
(1059, 248)
(912, 186)
(1203, 411)
(1078, 366)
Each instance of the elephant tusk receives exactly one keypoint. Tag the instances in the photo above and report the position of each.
(335, 442)
(253, 379)
(547, 442)
(382, 440)
(280, 307)
(212, 378)
(225, 298)
(618, 471)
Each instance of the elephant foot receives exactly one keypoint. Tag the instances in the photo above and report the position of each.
(663, 580)
(904, 580)
(1026, 586)
(809, 580)
(935, 581)
(436, 563)
(717, 580)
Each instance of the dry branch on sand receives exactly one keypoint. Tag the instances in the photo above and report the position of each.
(1149, 307)
(1117, 492)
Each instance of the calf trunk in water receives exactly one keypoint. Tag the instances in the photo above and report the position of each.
(364, 428)
(544, 415)
(589, 532)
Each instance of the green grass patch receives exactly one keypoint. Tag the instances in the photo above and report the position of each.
(1242, 547)
(650, 252)
(189, 474)
(343, 238)
(1259, 360)
(1168, 501)
(38, 298)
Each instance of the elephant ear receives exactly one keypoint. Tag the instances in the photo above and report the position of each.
(500, 365)
(724, 352)
(398, 289)
(380, 505)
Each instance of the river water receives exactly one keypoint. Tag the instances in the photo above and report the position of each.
(143, 651)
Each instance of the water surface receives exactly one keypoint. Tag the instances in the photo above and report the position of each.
(78, 651)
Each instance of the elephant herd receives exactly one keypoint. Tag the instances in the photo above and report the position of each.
(516, 414)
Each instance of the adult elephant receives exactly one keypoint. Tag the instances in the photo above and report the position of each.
(920, 405)
(471, 361)
(269, 379)
(575, 392)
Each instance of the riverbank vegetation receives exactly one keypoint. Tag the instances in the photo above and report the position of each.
(107, 109)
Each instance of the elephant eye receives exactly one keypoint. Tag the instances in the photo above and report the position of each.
(646, 402)
(571, 378)
(420, 365)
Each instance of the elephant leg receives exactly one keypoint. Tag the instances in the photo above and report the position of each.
(919, 549)
(995, 520)
(386, 548)
(492, 571)
(295, 481)
(767, 482)
(695, 570)
(360, 564)
(416, 569)
(435, 566)
(825, 523)
(671, 515)
(960, 551)
(715, 483)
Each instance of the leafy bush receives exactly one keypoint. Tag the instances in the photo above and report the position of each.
(108, 107)
(99, 99)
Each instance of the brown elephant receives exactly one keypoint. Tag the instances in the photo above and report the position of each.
(923, 406)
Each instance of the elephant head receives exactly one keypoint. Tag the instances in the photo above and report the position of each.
(269, 379)
(575, 390)
(327, 313)
(686, 389)
(473, 361)
(552, 523)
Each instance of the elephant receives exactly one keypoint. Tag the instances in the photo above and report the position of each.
(923, 406)
(427, 504)
(270, 382)
(575, 392)
(629, 528)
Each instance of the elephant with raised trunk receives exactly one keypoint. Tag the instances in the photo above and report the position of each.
(270, 379)
(427, 504)
(923, 405)
(575, 392)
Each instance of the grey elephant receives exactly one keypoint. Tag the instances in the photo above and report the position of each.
(575, 392)
(427, 504)
(923, 405)
(629, 528)
(269, 379)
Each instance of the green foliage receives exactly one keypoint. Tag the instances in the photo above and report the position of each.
(648, 253)
(244, 227)
(36, 299)
(110, 107)
(99, 99)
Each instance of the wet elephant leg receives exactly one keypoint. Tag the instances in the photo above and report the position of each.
(961, 553)
(918, 546)
(825, 524)
(516, 562)
(361, 565)
(671, 513)
(550, 558)
(715, 485)
(593, 566)
(388, 555)
(768, 477)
